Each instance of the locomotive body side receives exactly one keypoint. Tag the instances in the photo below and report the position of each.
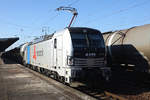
(69, 55)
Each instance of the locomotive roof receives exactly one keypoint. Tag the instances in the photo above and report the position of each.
(80, 29)
(42, 38)
(71, 29)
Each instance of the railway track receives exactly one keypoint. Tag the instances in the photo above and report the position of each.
(131, 85)
(89, 94)
(126, 85)
(99, 93)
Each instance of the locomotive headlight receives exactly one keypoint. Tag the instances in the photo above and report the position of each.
(70, 60)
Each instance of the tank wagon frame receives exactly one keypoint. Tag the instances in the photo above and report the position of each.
(68, 55)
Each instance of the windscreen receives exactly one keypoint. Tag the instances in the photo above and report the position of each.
(87, 40)
(87, 44)
(78, 40)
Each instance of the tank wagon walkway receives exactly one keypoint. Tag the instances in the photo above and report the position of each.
(19, 83)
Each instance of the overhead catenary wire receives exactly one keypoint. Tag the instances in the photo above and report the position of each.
(125, 26)
(117, 12)
(29, 27)
(33, 28)
(51, 10)
(56, 15)
(74, 2)
(137, 22)
(51, 19)
(14, 24)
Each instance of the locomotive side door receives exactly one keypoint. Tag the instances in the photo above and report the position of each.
(55, 53)
(59, 51)
(58, 56)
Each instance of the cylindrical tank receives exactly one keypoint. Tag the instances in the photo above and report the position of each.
(130, 47)
(22, 49)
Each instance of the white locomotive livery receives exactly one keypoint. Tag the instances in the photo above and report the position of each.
(68, 54)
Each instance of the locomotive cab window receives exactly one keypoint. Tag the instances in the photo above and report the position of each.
(55, 43)
(87, 44)
(87, 40)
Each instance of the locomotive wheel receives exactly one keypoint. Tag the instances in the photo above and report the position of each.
(40, 70)
(36, 68)
(47, 73)
(63, 79)
(60, 78)
(31, 67)
(56, 77)
(28, 65)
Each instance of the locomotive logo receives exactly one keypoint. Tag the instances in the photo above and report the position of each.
(34, 56)
(90, 54)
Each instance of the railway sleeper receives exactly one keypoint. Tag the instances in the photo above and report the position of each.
(114, 96)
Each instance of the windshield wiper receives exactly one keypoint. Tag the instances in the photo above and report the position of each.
(87, 40)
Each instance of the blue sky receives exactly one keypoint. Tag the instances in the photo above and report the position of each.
(26, 18)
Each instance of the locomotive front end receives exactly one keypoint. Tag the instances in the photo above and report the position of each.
(88, 55)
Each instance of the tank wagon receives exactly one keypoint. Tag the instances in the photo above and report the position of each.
(129, 47)
(13, 54)
(68, 55)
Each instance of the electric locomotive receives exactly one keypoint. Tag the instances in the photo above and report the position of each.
(68, 55)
